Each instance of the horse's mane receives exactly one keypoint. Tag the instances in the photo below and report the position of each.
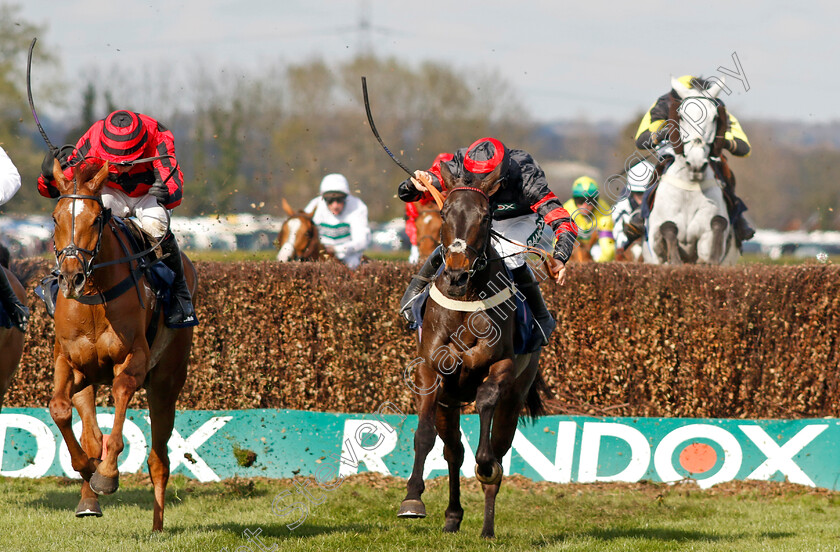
(86, 170)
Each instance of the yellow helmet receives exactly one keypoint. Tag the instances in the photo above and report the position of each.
(585, 187)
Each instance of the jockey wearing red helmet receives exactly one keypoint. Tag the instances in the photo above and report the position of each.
(522, 204)
(144, 181)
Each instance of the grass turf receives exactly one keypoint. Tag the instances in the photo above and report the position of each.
(360, 515)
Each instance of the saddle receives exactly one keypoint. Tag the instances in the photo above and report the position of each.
(135, 242)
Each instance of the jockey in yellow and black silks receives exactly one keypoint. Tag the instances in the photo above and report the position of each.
(652, 134)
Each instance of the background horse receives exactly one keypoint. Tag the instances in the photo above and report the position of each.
(689, 220)
(467, 355)
(298, 238)
(428, 225)
(11, 339)
(582, 252)
(100, 338)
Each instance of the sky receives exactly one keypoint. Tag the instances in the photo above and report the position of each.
(592, 60)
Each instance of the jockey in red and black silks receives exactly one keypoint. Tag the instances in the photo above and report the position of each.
(144, 181)
(138, 137)
(521, 206)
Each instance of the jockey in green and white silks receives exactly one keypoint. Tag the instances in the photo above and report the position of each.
(342, 220)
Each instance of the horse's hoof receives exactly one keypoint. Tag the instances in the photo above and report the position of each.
(103, 485)
(88, 507)
(412, 509)
(495, 476)
(452, 526)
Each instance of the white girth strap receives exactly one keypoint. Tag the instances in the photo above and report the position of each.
(469, 306)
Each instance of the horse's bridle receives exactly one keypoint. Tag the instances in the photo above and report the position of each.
(460, 245)
(74, 251)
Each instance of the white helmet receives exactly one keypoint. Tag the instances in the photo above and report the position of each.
(639, 176)
(335, 183)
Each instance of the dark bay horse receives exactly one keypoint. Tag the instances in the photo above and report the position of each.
(100, 338)
(467, 355)
(11, 342)
(428, 225)
(298, 238)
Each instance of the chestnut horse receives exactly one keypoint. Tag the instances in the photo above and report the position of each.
(428, 225)
(298, 238)
(100, 338)
(466, 348)
(582, 251)
(11, 342)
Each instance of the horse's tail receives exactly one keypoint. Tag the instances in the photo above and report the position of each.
(534, 401)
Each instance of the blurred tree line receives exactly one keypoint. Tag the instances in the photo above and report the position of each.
(247, 138)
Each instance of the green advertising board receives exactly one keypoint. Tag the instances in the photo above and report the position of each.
(213, 445)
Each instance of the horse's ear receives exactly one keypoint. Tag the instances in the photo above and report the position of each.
(491, 182)
(679, 88)
(286, 207)
(313, 211)
(62, 183)
(447, 176)
(99, 178)
(717, 85)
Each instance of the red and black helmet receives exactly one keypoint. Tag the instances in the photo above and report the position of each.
(123, 136)
(486, 155)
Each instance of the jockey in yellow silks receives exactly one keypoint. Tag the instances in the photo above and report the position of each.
(591, 214)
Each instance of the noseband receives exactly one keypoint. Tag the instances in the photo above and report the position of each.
(459, 245)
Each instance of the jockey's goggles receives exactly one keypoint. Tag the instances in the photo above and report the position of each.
(334, 198)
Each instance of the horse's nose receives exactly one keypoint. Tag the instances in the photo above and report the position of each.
(457, 277)
(72, 284)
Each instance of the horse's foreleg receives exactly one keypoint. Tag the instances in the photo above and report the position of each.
(85, 403)
(61, 411)
(106, 478)
(424, 439)
(718, 225)
(449, 428)
(668, 230)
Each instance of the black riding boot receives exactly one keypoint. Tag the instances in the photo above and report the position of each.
(736, 208)
(530, 288)
(181, 313)
(418, 283)
(17, 311)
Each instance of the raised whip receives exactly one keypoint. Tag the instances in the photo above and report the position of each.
(376, 133)
(53, 149)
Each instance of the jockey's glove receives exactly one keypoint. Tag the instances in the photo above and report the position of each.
(160, 191)
(61, 154)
